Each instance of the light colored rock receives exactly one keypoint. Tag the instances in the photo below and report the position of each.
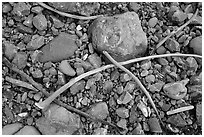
(154, 125)
(153, 21)
(122, 112)
(196, 44)
(11, 128)
(66, 68)
(28, 130)
(40, 22)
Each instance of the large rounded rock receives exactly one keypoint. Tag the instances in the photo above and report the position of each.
(11, 128)
(28, 130)
(120, 35)
(196, 44)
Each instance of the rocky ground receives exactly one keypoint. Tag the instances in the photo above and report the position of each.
(52, 49)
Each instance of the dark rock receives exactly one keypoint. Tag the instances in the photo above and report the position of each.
(107, 87)
(58, 49)
(154, 125)
(77, 87)
(122, 112)
(28, 130)
(133, 115)
(35, 43)
(10, 50)
(21, 9)
(121, 36)
(130, 86)
(40, 22)
(161, 50)
(11, 129)
(95, 60)
(83, 8)
(177, 120)
(176, 90)
(152, 22)
(199, 113)
(166, 107)
(196, 44)
(20, 60)
(99, 110)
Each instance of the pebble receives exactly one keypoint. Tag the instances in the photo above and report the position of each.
(166, 106)
(20, 60)
(130, 86)
(152, 22)
(107, 86)
(122, 112)
(176, 90)
(150, 78)
(100, 131)
(196, 79)
(58, 49)
(36, 42)
(154, 125)
(124, 77)
(29, 21)
(30, 121)
(119, 89)
(145, 126)
(37, 96)
(40, 22)
(134, 6)
(37, 73)
(77, 87)
(57, 23)
(24, 96)
(79, 71)
(6, 8)
(37, 9)
(199, 113)
(163, 61)
(146, 65)
(133, 115)
(196, 44)
(10, 50)
(85, 101)
(144, 73)
(66, 68)
(53, 71)
(161, 50)
(192, 63)
(122, 123)
(90, 46)
(177, 120)
(138, 130)
(95, 60)
(114, 75)
(23, 29)
(156, 87)
(142, 107)
(179, 16)
(173, 46)
(125, 98)
(21, 9)
(10, 129)
(99, 110)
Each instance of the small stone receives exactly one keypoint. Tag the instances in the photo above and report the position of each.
(161, 50)
(122, 112)
(134, 6)
(107, 87)
(23, 29)
(21, 9)
(20, 60)
(199, 113)
(152, 22)
(176, 90)
(143, 108)
(145, 126)
(114, 75)
(84, 101)
(133, 115)
(154, 125)
(57, 23)
(150, 78)
(40, 22)
(165, 107)
(192, 63)
(79, 71)
(29, 21)
(37, 73)
(10, 50)
(99, 110)
(138, 130)
(144, 73)
(163, 61)
(179, 16)
(125, 98)
(30, 121)
(177, 120)
(130, 86)
(36, 42)
(95, 60)
(24, 96)
(124, 77)
(37, 9)
(119, 89)
(173, 46)
(100, 131)
(37, 96)
(146, 65)
(196, 44)
(6, 8)
(156, 87)
(196, 79)
(10, 129)
(66, 68)
(122, 123)
(77, 87)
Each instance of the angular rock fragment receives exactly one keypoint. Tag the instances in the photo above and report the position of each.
(196, 45)
(11, 129)
(77, 87)
(40, 22)
(35, 43)
(154, 125)
(21, 9)
(20, 60)
(177, 120)
(122, 112)
(199, 113)
(10, 50)
(125, 98)
(121, 36)
(138, 130)
(28, 130)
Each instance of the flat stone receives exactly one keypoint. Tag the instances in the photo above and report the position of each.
(57, 23)
(177, 120)
(124, 77)
(125, 98)
(156, 87)
(199, 113)
(179, 16)
(10, 129)
(28, 130)
(99, 110)
(6, 8)
(100, 131)
(36, 42)
(153, 21)
(138, 130)
(95, 60)
(37, 9)
(23, 29)
(196, 44)
(154, 125)
(59, 49)
(37, 73)
(122, 112)
(77, 87)
(146, 65)
(130, 86)
(66, 68)
(21, 9)
(29, 21)
(150, 78)
(134, 6)
(40, 22)
(173, 46)
(176, 90)
(20, 60)
(122, 123)
(120, 35)
(10, 50)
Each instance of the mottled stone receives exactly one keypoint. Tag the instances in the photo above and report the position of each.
(28, 130)
(196, 44)
(10, 50)
(35, 43)
(21, 9)
(122, 112)
(177, 120)
(40, 22)
(20, 60)
(10, 129)
(154, 125)
(77, 87)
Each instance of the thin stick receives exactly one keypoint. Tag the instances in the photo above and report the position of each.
(67, 14)
(20, 83)
(137, 81)
(173, 32)
(46, 102)
(178, 110)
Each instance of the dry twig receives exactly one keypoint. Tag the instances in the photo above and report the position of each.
(67, 14)
(178, 110)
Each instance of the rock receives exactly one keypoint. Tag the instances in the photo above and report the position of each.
(133, 115)
(21, 9)
(20, 60)
(37, 73)
(152, 22)
(177, 120)
(108, 86)
(179, 16)
(172, 45)
(10, 50)
(120, 35)
(6, 8)
(37, 96)
(59, 49)
(165, 107)
(199, 113)
(150, 78)
(161, 50)
(124, 77)
(36, 42)
(125, 98)
(122, 112)
(11, 129)
(196, 21)
(57, 23)
(196, 45)
(40, 22)
(100, 131)
(176, 90)
(77, 87)
(28, 130)
(196, 79)
(134, 6)
(95, 60)
(99, 110)
(156, 87)
(144, 73)
(154, 125)
(146, 65)
(163, 61)
(29, 21)
(122, 123)
(138, 130)
(66, 68)
(83, 8)
(23, 29)
(130, 86)
(193, 65)
(37, 9)
(142, 107)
